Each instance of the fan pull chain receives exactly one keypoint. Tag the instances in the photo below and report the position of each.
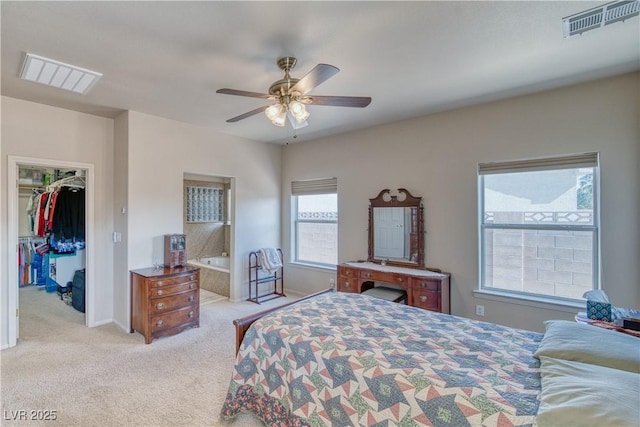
(295, 133)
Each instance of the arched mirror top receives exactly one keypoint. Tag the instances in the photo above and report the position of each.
(396, 229)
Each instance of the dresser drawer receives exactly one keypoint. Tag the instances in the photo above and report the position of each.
(163, 282)
(429, 300)
(384, 277)
(175, 318)
(346, 284)
(347, 271)
(164, 304)
(425, 284)
(172, 290)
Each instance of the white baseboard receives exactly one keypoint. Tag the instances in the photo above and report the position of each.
(102, 322)
(123, 327)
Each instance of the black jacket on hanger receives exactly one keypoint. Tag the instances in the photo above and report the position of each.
(68, 216)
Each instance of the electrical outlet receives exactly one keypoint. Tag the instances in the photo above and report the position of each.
(332, 283)
(479, 310)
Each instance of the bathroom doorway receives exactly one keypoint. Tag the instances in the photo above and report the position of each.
(208, 214)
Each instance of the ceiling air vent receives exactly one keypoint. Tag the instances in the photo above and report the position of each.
(600, 16)
(57, 74)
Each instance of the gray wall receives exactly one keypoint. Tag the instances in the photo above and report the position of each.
(37, 131)
(436, 157)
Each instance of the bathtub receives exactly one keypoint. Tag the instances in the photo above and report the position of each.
(214, 274)
(219, 263)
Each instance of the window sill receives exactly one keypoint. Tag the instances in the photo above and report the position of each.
(313, 266)
(531, 301)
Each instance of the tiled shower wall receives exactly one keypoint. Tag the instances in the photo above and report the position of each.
(205, 238)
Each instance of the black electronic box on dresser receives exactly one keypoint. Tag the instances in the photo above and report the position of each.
(164, 301)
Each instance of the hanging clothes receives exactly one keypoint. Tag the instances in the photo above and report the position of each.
(40, 214)
(52, 207)
(30, 268)
(68, 215)
(32, 208)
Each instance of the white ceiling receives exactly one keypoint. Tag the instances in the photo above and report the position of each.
(413, 58)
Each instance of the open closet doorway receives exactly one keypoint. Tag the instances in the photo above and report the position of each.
(50, 236)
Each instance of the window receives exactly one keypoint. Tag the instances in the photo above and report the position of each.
(315, 214)
(205, 204)
(539, 227)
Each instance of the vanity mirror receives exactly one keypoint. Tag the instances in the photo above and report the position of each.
(396, 229)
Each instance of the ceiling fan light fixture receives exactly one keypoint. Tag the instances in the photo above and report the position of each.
(280, 119)
(296, 108)
(273, 111)
(302, 116)
(290, 95)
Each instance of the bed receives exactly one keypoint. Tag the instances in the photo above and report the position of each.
(341, 359)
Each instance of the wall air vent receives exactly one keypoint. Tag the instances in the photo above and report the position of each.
(600, 16)
(57, 74)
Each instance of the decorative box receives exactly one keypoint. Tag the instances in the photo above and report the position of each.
(599, 310)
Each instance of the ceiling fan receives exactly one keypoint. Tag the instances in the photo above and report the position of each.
(290, 95)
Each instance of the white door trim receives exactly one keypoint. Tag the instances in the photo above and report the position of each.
(13, 163)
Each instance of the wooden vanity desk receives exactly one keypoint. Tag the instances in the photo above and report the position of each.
(425, 288)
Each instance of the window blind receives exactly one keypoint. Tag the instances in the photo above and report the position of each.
(314, 186)
(584, 160)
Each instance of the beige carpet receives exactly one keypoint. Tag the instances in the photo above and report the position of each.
(208, 297)
(105, 376)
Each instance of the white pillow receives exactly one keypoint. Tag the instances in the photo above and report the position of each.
(580, 394)
(589, 344)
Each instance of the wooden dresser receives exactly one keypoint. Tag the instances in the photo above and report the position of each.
(425, 288)
(164, 301)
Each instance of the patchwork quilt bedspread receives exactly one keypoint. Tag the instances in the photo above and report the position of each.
(349, 359)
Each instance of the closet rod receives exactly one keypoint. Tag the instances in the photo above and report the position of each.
(70, 181)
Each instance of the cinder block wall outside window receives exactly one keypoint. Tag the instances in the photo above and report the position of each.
(548, 262)
(318, 242)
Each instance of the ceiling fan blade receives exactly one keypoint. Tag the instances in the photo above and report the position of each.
(340, 101)
(320, 74)
(247, 114)
(245, 93)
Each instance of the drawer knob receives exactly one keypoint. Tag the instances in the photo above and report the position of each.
(160, 292)
(160, 305)
(160, 283)
(191, 298)
(192, 277)
(400, 279)
(347, 284)
(191, 285)
(191, 314)
(159, 323)
(347, 273)
(367, 275)
(423, 298)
